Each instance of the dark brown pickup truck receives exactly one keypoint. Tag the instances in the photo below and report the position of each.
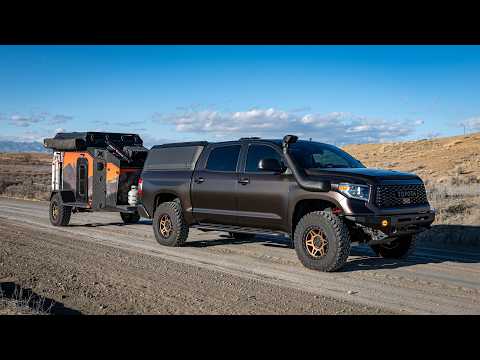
(315, 193)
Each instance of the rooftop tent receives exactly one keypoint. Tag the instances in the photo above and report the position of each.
(78, 141)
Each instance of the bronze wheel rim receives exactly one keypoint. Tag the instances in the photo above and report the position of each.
(316, 243)
(165, 226)
(55, 210)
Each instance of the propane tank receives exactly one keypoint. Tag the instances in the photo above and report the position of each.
(133, 196)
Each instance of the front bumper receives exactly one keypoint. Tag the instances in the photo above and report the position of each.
(397, 224)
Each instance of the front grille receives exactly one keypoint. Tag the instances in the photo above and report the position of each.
(397, 195)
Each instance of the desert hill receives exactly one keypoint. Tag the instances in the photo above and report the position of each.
(441, 160)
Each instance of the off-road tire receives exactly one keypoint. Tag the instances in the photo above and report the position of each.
(63, 213)
(338, 239)
(241, 236)
(130, 218)
(179, 227)
(402, 248)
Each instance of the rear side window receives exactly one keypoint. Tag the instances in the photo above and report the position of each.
(223, 158)
(257, 153)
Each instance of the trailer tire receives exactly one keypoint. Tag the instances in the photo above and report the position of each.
(322, 241)
(169, 225)
(130, 218)
(59, 213)
(401, 248)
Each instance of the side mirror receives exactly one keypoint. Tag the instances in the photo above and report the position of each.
(270, 165)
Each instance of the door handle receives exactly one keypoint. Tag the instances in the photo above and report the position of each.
(199, 180)
(244, 181)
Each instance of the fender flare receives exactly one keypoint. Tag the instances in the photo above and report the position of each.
(65, 195)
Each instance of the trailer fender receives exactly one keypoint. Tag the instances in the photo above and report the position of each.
(66, 195)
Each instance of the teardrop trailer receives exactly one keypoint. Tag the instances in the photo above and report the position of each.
(95, 171)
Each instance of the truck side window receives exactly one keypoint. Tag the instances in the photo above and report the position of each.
(257, 153)
(223, 158)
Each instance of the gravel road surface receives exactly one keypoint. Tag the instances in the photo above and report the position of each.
(99, 265)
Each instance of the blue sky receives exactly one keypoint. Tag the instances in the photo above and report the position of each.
(337, 94)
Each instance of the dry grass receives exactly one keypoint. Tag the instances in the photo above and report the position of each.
(456, 204)
(25, 175)
(21, 302)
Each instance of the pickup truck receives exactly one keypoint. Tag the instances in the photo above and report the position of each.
(314, 193)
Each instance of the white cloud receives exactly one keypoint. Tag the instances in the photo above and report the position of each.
(20, 120)
(472, 123)
(59, 119)
(335, 127)
(23, 121)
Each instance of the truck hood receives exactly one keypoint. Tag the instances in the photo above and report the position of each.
(367, 174)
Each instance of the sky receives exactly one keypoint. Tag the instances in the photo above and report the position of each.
(334, 94)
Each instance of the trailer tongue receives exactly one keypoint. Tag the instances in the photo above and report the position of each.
(95, 171)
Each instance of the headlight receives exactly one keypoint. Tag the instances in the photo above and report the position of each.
(354, 191)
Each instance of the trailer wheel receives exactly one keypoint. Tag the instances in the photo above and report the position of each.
(59, 213)
(322, 241)
(401, 248)
(130, 218)
(169, 225)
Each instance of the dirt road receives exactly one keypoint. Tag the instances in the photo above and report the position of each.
(216, 274)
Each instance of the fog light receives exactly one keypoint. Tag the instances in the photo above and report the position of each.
(384, 223)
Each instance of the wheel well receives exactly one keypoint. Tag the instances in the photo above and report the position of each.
(304, 207)
(65, 195)
(161, 198)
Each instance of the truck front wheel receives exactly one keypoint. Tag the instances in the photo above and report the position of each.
(322, 241)
(400, 248)
(59, 213)
(169, 224)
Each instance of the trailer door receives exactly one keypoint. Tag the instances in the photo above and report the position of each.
(82, 180)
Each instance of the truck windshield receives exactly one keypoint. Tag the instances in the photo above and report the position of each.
(313, 155)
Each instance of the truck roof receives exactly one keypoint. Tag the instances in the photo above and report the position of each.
(277, 142)
(205, 143)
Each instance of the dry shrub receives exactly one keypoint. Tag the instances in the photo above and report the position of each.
(455, 204)
(23, 303)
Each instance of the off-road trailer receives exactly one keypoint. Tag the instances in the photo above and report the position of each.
(95, 171)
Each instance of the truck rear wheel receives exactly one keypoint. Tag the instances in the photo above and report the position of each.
(400, 248)
(59, 213)
(169, 225)
(322, 241)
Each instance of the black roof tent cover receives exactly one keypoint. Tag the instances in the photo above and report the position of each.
(81, 140)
